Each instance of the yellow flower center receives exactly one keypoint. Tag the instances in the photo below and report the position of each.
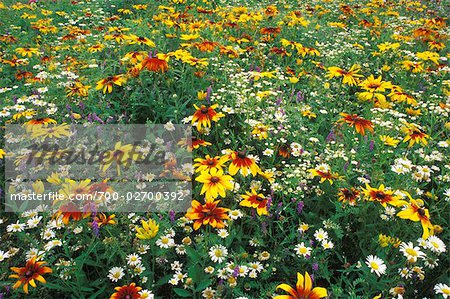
(374, 265)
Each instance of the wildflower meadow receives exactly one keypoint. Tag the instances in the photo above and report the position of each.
(224, 149)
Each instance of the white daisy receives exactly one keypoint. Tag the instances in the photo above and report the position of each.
(133, 259)
(302, 250)
(436, 245)
(3, 255)
(165, 242)
(15, 227)
(410, 252)
(443, 289)
(146, 294)
(222, 233)
(115, 274)
(321, 235)
(327, 244)
(218, 253)
(376, 265)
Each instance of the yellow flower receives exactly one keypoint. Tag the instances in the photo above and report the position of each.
(383, 196)
(215, 183)
(189, 36)
(415, 211)
(107, 83)
(350, 77)
(121, 155)
(96, 48)
(427, 55)
(389, 141)
(260, 131)
(148, 230)
(2, 153)
(27, 51)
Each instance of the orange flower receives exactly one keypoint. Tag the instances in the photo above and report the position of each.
(415, 135)
(204, 115)
(206, 214)
(359, 123)
(240, 161)
(154, 64)
(254, 200)
(303, 289)
(284, 151)
(383, 196)
(197, 142)
(348, 195)
(130, 291)
(70, 210)
(102, 219)
(208, 163)
(27, 275)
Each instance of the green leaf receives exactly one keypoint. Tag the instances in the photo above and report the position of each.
(203, 285)
(182, 292)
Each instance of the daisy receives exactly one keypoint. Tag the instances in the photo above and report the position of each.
(327, 244)
(222, 233)
(435, 244)
(218, 253)
(302, 250)
(146, 294)
(33, 222)
(15, 227)
(165, 242)
(133, 259)
(443, 289)
(3, 255)
(376, 265)
(115, 274)
(321, 235)
(410, 252)
(51, 244)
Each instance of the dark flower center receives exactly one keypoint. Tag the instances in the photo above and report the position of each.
(28, 274)
(380, 195)
(211, 162)
(421, 212)
(215, 179)
(241, 154)
(204, 110)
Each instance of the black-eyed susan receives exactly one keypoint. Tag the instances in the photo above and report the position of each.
(154, 64)
(255, 200)
(215, 183)
(29, 274)
(349, 196)
(383, 196)
(29, 52)
(349, 77)
(207, 214)
(303, 289)
(77, 89)
(415, 211)
(204, 115)
(240, 161)
(130, 291)
(107, 83)
(358, 122)
(209, 162)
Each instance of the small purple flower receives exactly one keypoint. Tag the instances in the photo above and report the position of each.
(331, 136)
(372, 143)
(300, 97)
(95, 228)
(81, 105)
(300, 206)
(278, 102)
(172, 215)
(315, 267)
(236, 272)
(68, 107)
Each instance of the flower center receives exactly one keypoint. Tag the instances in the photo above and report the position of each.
(28, 274)
(374, 265)
(204, 110)
(215, 179)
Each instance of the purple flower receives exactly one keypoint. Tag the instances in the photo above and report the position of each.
(81, 105)
(331, 136)
(95, 228)
(300, 206)
(264, 227)
(315, 267)
(300, 97)
(372, 143)
(236, 271)
(279, 101)
(172, 215)
(208, 94)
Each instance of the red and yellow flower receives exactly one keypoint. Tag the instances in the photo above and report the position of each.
(255, 200)
(130, 291)
(303, 289)
(204, 115)
(415, 211)
(383, 196)
(240, 161)
(359, 123)
(29, 274)
(207, 214)
(107, 83)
